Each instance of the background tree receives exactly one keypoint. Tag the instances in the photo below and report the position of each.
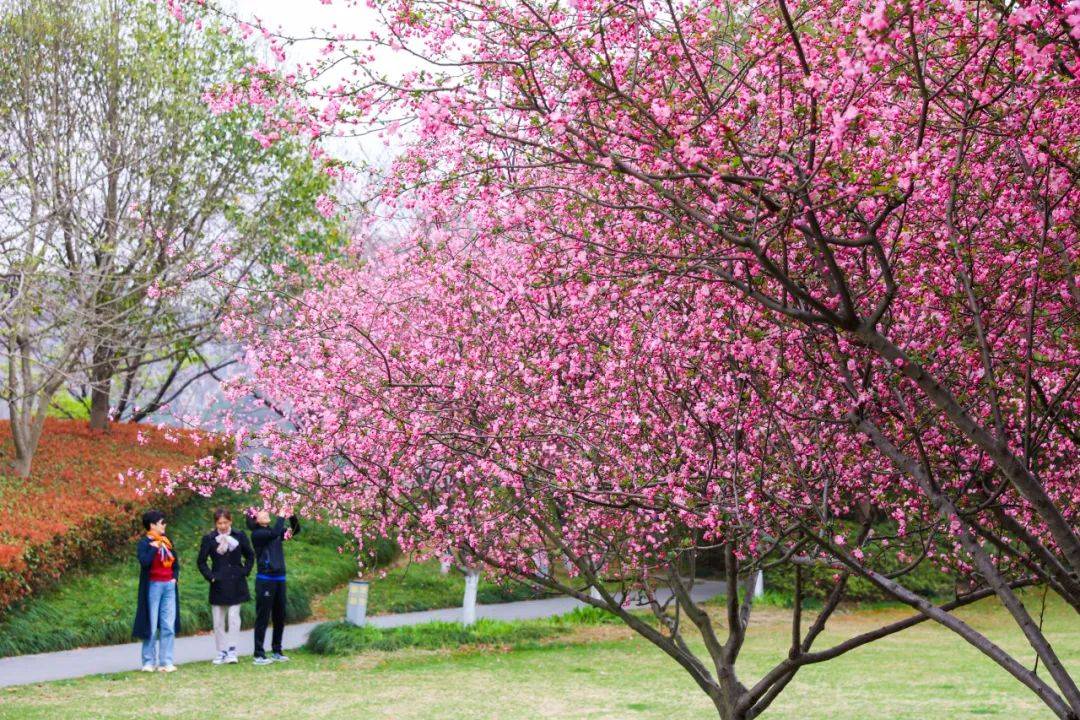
(131, 210)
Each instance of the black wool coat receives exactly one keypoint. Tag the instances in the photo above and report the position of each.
(145, 552)
(228, 573)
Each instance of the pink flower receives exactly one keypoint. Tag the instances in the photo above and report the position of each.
(326, 206)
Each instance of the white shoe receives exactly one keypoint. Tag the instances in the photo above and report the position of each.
(148, 668)
(220, 658)
(167, 668)
(231, 659)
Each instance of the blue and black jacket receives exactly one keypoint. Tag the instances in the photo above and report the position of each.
(269, 553)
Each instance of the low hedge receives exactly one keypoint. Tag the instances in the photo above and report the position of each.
(74, 507)
(342, 638)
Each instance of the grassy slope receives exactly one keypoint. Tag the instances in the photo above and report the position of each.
(74, 502)
(600, 672)
(95, 605)
(420, 586)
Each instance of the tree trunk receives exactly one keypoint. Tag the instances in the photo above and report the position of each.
(100, 389)
(468, 605)
(102, 371)
(99, 404)
(21, 465)
(27, 423)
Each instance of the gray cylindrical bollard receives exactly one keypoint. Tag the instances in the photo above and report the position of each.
(356, 606)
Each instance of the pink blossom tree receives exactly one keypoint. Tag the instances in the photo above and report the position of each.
(899, 180)
(476, 396)
(871, 205)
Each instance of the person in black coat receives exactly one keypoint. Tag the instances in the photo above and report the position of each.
(269, 581)
(231, 559)
(157, 614)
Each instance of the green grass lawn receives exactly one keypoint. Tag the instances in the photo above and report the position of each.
(410, 586)
(95, 605)
(597, 671)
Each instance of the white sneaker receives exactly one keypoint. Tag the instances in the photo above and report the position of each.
(148, 668)
(231, 659)
(220, 658)
(167, 668)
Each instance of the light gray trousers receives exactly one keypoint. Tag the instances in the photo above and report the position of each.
(226, 627)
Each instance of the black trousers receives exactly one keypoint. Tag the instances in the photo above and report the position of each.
(269, 604)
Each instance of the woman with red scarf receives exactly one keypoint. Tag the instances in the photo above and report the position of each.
(157, 617)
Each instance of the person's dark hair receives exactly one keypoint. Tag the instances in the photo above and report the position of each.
(150, 517)
(222, 513)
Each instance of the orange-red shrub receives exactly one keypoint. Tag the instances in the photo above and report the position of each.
(74, 506)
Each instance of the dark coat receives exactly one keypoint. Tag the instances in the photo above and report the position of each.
(267, 541)
(228, 573)
(145, 552)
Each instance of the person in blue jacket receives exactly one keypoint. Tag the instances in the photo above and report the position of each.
(269, 581)
(157, 615)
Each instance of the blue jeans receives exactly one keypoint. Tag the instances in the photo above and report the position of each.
(162, 599)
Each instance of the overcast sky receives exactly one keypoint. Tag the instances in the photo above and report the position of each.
(298, 18)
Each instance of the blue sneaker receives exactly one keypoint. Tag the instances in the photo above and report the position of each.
(278, 657)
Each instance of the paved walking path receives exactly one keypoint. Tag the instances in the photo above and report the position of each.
(26, 669)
